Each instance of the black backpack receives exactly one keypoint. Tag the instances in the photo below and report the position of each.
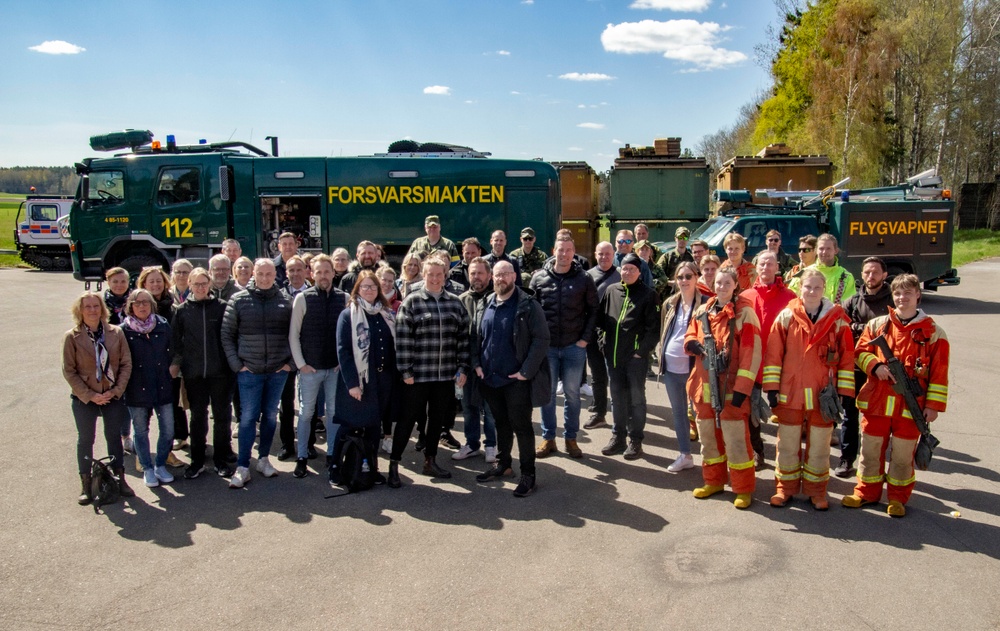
(103, 484)
(357, 465)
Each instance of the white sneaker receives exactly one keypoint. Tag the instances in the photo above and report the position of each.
(464, 452)
(241, 477)
(491, 455)
(128, 445)
(162, 475)
(265, 468)
(149, 477)
(386, 445)
(587, 390)
(559, 388)
(684, 461)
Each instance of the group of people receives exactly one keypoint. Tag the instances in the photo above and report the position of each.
(373, 355)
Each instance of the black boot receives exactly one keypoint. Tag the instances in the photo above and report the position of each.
(123, 488)
(85, 496)
(394, 481)
(432, 469)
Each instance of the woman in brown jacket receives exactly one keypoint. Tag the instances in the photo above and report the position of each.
(97, 366)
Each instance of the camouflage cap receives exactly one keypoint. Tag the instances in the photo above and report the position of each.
(432, 220)
(682, 233)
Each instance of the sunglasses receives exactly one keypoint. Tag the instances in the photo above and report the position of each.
(624, 241)
(685, 276)
(773, 240)
(527, 238)
(805, 249)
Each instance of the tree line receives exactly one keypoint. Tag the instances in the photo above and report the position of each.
(885, 88)
(46, 180)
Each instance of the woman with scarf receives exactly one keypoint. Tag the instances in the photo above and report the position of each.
(115, 296)
(387, 282)
(154, 280)
(675, 364)
(97, 365)
(725, 436)
(149, 389)
(367, 394)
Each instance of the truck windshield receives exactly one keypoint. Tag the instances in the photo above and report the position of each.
(107, 186)
(713, 229)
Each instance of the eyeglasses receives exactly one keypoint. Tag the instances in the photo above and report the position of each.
(805, 249)
(624, 241)
(685, 276)
(774, 240)
(139, 303)
(527, 238)
(503, 274)
(200, 284)
(368, 288)
(179, 273)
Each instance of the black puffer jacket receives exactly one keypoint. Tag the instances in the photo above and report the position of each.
(569, 301)
(198, 338)
(862, 307)
(255, 330)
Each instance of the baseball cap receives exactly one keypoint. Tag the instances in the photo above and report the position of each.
(682, 233)
(528, 232)
(432, 220)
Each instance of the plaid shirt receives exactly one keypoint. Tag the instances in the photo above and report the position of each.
(432, 337)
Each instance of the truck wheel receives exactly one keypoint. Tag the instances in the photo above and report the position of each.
(62, 263)
(43, 262)
(136, 262)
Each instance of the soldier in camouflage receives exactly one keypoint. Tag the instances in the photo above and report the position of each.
(529, 258)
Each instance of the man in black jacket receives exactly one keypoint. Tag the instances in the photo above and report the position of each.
(198, 357)
(568, 297)
(312, 337)
(255, 340)
(498, 243)
(510, 343)
(874, 299)
(605, 275)
(630, 320)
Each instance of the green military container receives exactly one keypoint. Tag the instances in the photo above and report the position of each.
(660, 189)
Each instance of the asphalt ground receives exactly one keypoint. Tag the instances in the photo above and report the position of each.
(601, 544)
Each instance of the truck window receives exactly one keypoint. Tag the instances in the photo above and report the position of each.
(44, 212)
(178, 186)
(107, 186)
(755, 234)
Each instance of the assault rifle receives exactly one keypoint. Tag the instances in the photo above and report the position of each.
(910, 389)
(713, 365)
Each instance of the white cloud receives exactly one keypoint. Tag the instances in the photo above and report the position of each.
(615, 141)
(671, 5)
(503, 52)
(591, 125)
(469, 101)
(438, 89)
(688, 41)
(586, 76)
(574, 148)
(515, 92)
(57, 47)
(527, 1)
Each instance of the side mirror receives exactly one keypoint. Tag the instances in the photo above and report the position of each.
(84, 189)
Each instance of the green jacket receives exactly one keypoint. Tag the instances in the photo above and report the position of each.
(839, 282)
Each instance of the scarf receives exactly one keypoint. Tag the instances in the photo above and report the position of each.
(361, 336)
(101, 356)
(141, 326)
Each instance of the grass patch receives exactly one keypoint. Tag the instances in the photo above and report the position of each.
(12, 260)
(8, 213)
(975, 245)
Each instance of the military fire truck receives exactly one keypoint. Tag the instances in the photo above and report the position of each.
(158, 202)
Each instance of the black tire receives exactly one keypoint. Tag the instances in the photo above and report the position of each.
(135, 262)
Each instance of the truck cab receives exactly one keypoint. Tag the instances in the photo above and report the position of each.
(37, 237)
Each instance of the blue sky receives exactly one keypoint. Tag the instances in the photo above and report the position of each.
(566, 80)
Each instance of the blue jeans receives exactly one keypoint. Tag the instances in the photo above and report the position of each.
(676, 385)
(322, 383)
(566, 365)
(259, 398)
(165, 442)
(472, 413)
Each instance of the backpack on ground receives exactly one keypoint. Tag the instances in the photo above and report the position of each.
(357, 465)
(103, 484)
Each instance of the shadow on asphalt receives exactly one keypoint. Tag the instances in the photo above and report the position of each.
(943, 304)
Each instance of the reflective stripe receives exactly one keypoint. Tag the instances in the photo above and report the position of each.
(782, 398)
(933, 387)
(893, 481)
(787, 475)
(940, 398)
(862, 405)
(844, 384)
(706, 393)
(710, 461)
(812, 475)
(810, 404)
(890, 405)
(865, 360)
(845, 379)
(739, 466)
(842, 374)
(871, 479)
(745, 373)
(772, 374)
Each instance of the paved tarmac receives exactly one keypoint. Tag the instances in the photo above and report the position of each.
(602, 543)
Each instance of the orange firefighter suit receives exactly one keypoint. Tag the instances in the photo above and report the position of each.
(923, 349)
(737, 333)
(746, 273)
(800, 360)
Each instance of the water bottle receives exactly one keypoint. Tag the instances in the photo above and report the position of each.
(364, 466)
